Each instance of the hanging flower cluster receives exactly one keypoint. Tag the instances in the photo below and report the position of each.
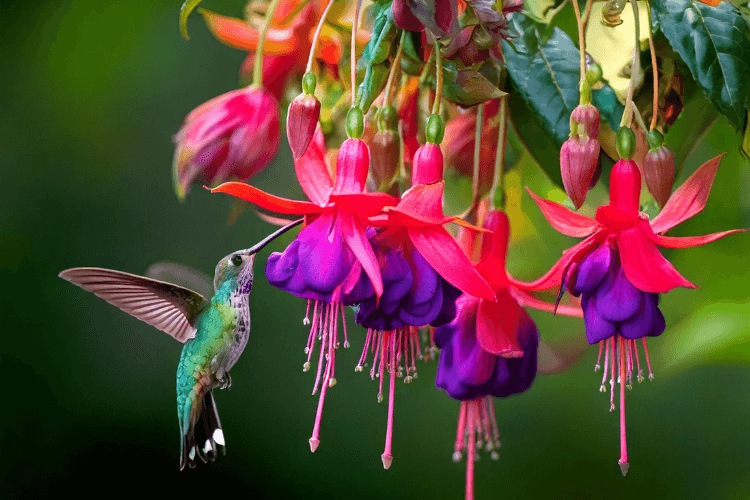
(376, 236)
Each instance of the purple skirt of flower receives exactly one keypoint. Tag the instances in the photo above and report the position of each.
(413, 294)
(611, 304)
(466, 371)
(319, 265)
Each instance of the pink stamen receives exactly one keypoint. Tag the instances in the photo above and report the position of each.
(460, 431)
(629, 344)
(638, 362)
(623, 462)
(603, 388)
(597, 367)
(612, 380)
(315, 439)
(306, 321)
(346, 338)
(471, 452)
(648, 361)
(493, 420)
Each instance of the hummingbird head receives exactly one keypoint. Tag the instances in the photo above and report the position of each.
(235, 266)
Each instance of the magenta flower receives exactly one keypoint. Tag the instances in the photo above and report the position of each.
(331, 262)
(235, 135)
(490, 348)
(618, 270)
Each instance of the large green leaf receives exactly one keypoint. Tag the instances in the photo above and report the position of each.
(714, 42)
(546, 73)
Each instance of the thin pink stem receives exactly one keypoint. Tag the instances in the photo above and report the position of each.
(612, 380)
(597, 367)
(623, 462)
(471, 453)
(387, 455)
(460, 431)
(648, 361)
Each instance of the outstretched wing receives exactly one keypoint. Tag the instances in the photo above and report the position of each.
(181, 275)
(170, 308)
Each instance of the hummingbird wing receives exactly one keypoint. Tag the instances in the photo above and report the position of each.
(182, 275)
(170, 308)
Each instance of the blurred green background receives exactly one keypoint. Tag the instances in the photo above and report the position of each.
(92, 92)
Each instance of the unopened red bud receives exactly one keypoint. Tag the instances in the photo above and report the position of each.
(658, 170)
(587, 116)
(352, 165)
(304, 112)
(384, 151)
(428, 165)
(578, 162)
(625, 186)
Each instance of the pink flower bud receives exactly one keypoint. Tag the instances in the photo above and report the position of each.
(304, 112)
(428, 165)
(385, 152)
(578, 163)
(352, 164)
(233, 135)
(587, 116)
(658, 170)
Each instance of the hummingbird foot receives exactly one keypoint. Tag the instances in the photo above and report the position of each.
(225, 382)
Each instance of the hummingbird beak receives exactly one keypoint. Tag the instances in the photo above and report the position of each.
(268, 239)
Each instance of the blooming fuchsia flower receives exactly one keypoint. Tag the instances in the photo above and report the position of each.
(235, 135)
(423, 271)
(331, 262)
(618, 270)
(490, 348)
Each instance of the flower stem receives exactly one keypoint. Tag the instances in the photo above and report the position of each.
(438, 76)
(627, 116)
(477, 151)
(638, 117)
(258, 64)
(317, 36)
(587, 14)
(497, 193)
(353, 55)
(396, 64)
(654, 70)
(581, 39)
(294, 13)
(623, 462)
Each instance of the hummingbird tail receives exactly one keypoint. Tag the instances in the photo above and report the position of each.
(204, 438)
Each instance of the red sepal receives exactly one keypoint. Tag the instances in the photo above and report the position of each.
(689, 199)
(442, 252)
(643, 264)
(312, 172)
(564, 220)
(525, 299)
(238, 34)
(268, 201)
(497, 326)
(364, 204)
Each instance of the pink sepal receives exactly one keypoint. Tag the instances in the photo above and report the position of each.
(497, 326)
(268, 201)
(564, 220)
(312, 172)
(689, 199)
(356, 240)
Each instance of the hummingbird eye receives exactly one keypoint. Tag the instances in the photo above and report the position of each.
(236, 260)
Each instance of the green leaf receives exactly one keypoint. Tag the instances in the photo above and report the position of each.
(383, 35)
(714, 42)
(714, 334)
(187, 7)
(546, 73)
(372, 85)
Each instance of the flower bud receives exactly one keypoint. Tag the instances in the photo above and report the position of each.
(304, 112)
(578, 162)
(428, 165)
(385, 151)
(587, 116)
(625, 186)
(233, 135)
(658, 168)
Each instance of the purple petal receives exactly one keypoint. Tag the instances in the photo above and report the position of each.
(616, 298)
(597, 328)
(593, 268)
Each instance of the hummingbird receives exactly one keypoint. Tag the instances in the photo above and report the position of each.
(215, 332)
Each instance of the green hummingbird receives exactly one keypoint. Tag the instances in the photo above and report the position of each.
(215, 332)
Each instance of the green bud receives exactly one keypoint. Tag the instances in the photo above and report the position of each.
(435, 129)
(309, 82)
(388, 118)
(625, 143)
(594, 74)
(655, 139)
(355, 123)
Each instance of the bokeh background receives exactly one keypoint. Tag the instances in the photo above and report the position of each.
(91, 95)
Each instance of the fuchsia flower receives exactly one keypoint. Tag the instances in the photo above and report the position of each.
(618, 270)
(490, 348)
(423, 269)
(579, 155)
(234, 135)
(331, 262)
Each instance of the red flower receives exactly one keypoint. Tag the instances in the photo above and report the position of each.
(235, 135)
(637, 238)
